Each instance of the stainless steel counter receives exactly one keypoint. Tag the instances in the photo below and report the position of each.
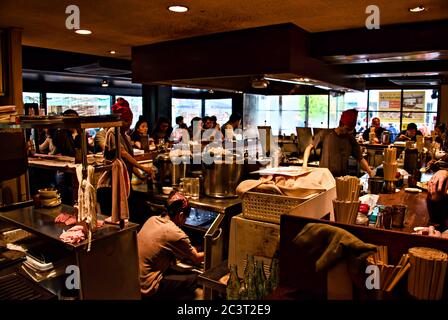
(108, 271)
(223, 206)
(40, 221)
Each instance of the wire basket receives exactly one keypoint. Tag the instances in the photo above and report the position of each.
(268, 207)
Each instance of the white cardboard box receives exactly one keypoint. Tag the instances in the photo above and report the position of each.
(318, 206)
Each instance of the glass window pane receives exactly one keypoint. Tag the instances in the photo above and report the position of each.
(221, 108)
(318, 111)
(291, 120)
(136, 104)
(384, 100)
(293, 103)
(350, 100)
(31, 97)
(84, 104)
(425, 121)
(187, 108)
(419, 101)
(261, 111)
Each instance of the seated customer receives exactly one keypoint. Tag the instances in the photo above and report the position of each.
(139, 136)
(410, 134)
(160, 242)
(162, 131)
(376, 123)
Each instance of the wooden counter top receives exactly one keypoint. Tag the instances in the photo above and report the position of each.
(417, 214)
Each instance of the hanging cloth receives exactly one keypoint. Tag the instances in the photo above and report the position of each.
(87, 201)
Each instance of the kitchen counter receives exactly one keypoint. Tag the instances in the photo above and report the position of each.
(108, 271)
(417, 214)
(223, 206)
(40, 221)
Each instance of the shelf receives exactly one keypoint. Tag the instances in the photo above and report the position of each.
(66, 123)
(65, 164)
(40, 221)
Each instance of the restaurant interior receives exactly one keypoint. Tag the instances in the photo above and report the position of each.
(293, 150)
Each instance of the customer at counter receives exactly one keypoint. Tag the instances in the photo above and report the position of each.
(337, 146)
(195, 129)
(162, 130)
(228, 129)
(139, 136)
(66, 141)
(160, 242)
(410, 134)
(376, 123)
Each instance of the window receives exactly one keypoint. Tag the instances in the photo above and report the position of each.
(221, 108)
(187, 108)
(419, 107)
(136, 104)
(31, 97)
(317, 111)
(261, 111)
(84, 104)
(350, 100)
(285, 113)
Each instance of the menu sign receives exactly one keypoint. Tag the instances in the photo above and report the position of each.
(389, 104)
(414, 101)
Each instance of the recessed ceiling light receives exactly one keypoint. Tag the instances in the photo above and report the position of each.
(178, 8)
(83, 31)
(112, 52)
(417, 9)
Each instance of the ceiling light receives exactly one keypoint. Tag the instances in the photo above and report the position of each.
(417, 9)
(83, 31)
(104, 83)
(306, 80)
(178, 8)
(112, 52)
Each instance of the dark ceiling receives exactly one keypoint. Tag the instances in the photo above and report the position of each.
(407, 44)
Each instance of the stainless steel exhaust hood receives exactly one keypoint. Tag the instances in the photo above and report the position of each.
(276, 56)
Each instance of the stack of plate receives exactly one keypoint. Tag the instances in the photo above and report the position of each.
(49, 197)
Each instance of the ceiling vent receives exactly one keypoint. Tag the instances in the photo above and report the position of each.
(416, 82)
(99, 69)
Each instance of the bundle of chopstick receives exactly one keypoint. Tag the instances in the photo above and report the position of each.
(348, 188)
(390, 155)
(346, 204)
(390, 275)
(427, 274)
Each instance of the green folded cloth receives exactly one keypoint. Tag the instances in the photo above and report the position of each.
(333, 244)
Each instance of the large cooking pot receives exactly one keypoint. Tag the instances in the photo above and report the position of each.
(222, 175)
(171, 169)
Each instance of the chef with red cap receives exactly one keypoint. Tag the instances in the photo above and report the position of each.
(338, 145)
(121, 108)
